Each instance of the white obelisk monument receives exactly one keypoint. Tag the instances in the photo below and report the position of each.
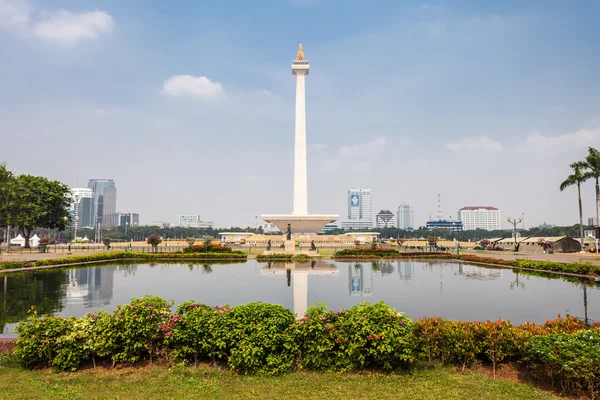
(300, 68)
(300, 221)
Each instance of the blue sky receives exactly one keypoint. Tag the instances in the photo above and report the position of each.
(189, 105)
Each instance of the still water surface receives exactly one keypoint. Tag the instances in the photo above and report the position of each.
(417, 288)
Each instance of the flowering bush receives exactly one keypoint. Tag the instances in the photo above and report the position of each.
(267, 338)
(38, 336)
(365, 336)
(46, 240)
(154, 240)
(134, 331)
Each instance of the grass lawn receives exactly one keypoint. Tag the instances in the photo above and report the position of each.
(206, 382)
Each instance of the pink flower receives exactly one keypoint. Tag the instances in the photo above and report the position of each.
(169, 334)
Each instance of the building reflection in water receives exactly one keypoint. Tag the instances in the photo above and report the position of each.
(360, 280)
(93, 287)
(478, 273)
(406, 270)
(298, 273)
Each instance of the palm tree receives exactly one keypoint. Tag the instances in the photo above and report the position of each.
(576, 178)
(591, 166)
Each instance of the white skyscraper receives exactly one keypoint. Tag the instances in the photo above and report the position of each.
(480, 217)
(83, 207)
(404, 216)
(360, 214)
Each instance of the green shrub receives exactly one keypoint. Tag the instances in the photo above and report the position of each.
(252, 338)
(365, 336)
(38, 336)
(571, 362)
(135, 330)
(203, 248)
(368, 251)
(190, 338)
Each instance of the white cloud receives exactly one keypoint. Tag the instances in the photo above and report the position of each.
(581, 139)
(363, 150)
(62, 26)
(14, 14)
(481, 143)
(197, 86)
(66, 28)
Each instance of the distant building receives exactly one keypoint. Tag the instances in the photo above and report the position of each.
(161, 224)
(330, 227)
(455, 226)
(82, 207)
(592, 221)
(194, 221)
(128, 219)
(404, 216)
(480, 217)
(385, 219)
(270, 229)
(104, 202)
(360, 214)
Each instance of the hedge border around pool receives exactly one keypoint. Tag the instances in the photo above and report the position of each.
(19, 265)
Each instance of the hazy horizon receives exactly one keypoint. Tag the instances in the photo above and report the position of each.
(189, 106)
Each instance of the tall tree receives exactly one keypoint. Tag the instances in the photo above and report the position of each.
(591, 166)
(41, 203)
(7, 196)
(576, 178)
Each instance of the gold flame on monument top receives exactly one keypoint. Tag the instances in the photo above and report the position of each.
(300, 55)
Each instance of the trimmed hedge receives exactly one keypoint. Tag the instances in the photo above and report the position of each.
(574, 268)
(267, 338)
(251, 338)
(234, 255)
(209, 249)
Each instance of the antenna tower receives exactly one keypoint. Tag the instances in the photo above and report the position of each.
(439, 216)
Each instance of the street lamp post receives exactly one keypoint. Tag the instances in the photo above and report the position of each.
(515, 222)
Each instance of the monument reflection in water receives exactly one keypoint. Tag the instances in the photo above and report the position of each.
(298, 274)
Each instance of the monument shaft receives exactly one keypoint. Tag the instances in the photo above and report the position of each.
(300, 179)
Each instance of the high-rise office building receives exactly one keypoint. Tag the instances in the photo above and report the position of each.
(592, 221)
(105, 202)
(128, 219)
(385, 219)
(82, 207)
(404, 216)
(360, 215)
(480, 217)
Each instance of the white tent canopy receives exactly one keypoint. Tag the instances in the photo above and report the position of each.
(20, 240)
(34, 241)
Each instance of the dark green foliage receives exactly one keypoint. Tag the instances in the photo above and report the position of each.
(208, 248)
(368, 251)
(365, 336)
(119, 256)
(570, 362)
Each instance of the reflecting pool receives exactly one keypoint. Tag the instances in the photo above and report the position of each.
(418, 288)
